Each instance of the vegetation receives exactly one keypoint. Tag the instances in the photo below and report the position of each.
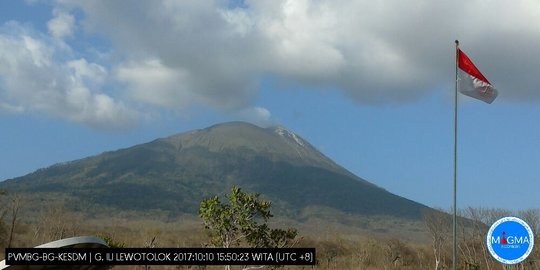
(242, 216)
(148, 196)
(473, 226)
(242, 222)
(3, 225)
(9, 217)
(111, 242)
(174, 174)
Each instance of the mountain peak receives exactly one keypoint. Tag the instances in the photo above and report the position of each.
(177, 172)
(287, 134)
(276, 143)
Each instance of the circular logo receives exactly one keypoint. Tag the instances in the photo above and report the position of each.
(510, 240)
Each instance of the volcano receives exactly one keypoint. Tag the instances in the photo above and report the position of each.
(175, 173)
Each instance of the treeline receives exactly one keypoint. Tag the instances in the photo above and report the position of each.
(473, 225)
(18, 229)
(55, 221)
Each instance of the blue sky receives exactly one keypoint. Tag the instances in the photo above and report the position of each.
(369, 84)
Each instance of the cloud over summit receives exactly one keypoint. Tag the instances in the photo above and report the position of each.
(179, 54)
(373, 51)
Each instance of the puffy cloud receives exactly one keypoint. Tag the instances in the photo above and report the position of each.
(62, 25)
(374, 51)
(257, 115)
(178, 54)
(151, 82)
(33, 79)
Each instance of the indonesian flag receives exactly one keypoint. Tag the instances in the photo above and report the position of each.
(471, 82)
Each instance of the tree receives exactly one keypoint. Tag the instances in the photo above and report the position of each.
(3, 225)
(56, 222)
(438, 225)
(532, 217)
(242, 222)
(472, 235)
(15, 207)
(9, 217)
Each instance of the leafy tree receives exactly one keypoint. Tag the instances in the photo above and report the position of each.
(242, 222)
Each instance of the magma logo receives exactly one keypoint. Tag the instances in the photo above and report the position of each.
(510, 240)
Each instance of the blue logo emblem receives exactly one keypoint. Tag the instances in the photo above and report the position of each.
(510, 240)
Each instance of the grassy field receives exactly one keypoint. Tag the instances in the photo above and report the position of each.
(342, 241)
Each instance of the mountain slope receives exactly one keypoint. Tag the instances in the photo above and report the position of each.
(175, 173)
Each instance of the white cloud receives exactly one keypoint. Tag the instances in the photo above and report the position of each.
(180, 54)
(62, 25)
(4, 106)
(151, 82)
(82, 69)
(257, 115)
(32, 79)
(374, 51)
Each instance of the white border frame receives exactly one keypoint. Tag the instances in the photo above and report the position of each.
(522, 223)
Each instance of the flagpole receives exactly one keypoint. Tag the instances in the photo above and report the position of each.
(454, 226)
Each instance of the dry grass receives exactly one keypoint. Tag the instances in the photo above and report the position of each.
(338, 246)
(398, 244)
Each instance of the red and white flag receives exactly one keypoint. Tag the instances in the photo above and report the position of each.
(471, 82)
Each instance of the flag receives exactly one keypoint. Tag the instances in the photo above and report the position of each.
(471, 81)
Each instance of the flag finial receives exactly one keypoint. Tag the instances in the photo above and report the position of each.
(457, 42)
